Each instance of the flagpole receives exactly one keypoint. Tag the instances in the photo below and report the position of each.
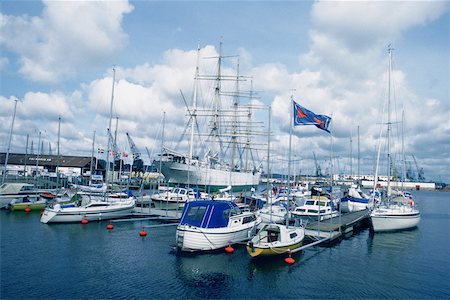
(291, 124)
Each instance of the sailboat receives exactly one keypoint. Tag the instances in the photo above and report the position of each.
(229, 137)
(396, 212)
(276, 239)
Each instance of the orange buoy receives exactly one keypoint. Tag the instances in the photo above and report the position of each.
(110, 226)
(84, 221)
(229, 249)
(27, 209)
(289, 260)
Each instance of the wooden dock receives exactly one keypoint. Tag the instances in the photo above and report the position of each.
(336, 226)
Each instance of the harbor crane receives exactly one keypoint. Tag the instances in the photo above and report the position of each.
(138, 163)
(318, 170)
(420, 173)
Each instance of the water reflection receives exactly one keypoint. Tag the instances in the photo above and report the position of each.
(208, 275)
(393, 241)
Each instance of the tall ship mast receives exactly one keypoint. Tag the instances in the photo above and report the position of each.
(221, 147)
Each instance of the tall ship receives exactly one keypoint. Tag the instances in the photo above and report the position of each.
(221, 136)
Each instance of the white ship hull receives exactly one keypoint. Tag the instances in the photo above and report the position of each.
(394, 219)
(176, 173)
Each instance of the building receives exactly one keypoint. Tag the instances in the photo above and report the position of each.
(46, 165)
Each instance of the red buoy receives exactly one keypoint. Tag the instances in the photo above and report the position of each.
(110, 226)
(289, 260)
(143, 232)
(229, 249)
(27, 209)
(84, 221)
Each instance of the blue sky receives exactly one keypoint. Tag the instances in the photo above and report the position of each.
(56, 57)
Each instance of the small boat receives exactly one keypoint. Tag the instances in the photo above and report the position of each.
(274, 213)
(94, 210)
(316, 209)
(17, 191)
(355, 200)
(45, 198)
(210, 225)
(275, 239)
(176, 198)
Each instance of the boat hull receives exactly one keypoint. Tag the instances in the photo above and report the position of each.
(351, 204)
(76, 214)
(180, 173)
(191, 238)
(259, 251)
(387, 220)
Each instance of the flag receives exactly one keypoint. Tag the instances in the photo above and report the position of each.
(99, 150)
(302, 116)
(112, 153)
(124, 154)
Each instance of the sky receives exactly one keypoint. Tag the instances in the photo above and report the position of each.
(57, 59)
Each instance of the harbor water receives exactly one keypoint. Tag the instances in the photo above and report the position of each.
(76, 261)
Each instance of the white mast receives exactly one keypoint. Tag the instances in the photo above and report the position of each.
(194, 106)
(9, 141)
(109, 127)
(389, 123)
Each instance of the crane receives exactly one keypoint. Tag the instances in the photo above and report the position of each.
(138, 164)
(420, 173)
(318, 170)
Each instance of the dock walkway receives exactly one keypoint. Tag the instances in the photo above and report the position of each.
(336, 226)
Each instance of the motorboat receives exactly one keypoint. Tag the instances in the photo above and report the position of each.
(399, 213)
(316, 210)
(11, 191)
(94, 210)
(176, 198)
(275, 239)
(210, 225)
(44, 199)
(273, 213)
(354, 200)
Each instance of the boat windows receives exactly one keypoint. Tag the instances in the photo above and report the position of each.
(248, 219)
(310, 202)
(272, 236)
(98, 205)
(196, 213)
(27, 188)
(293, 235)
(322, 203)
(314, 211)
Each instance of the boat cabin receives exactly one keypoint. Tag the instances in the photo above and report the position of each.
(214, 214)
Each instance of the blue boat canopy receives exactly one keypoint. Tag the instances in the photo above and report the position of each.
(208, 214)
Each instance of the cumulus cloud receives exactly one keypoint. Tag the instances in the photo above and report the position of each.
(66, 36)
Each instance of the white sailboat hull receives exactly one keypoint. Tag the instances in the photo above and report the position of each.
(394, 219)
(202, 175)
(76, 214)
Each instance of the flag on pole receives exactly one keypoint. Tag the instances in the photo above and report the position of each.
(302, 116)
(99, 150)
(124, 154)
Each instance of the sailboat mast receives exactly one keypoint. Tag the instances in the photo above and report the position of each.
(109, 127)
(389, 123)
(57, 150)
(194, 106)
(9, 141)
(215, 128)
